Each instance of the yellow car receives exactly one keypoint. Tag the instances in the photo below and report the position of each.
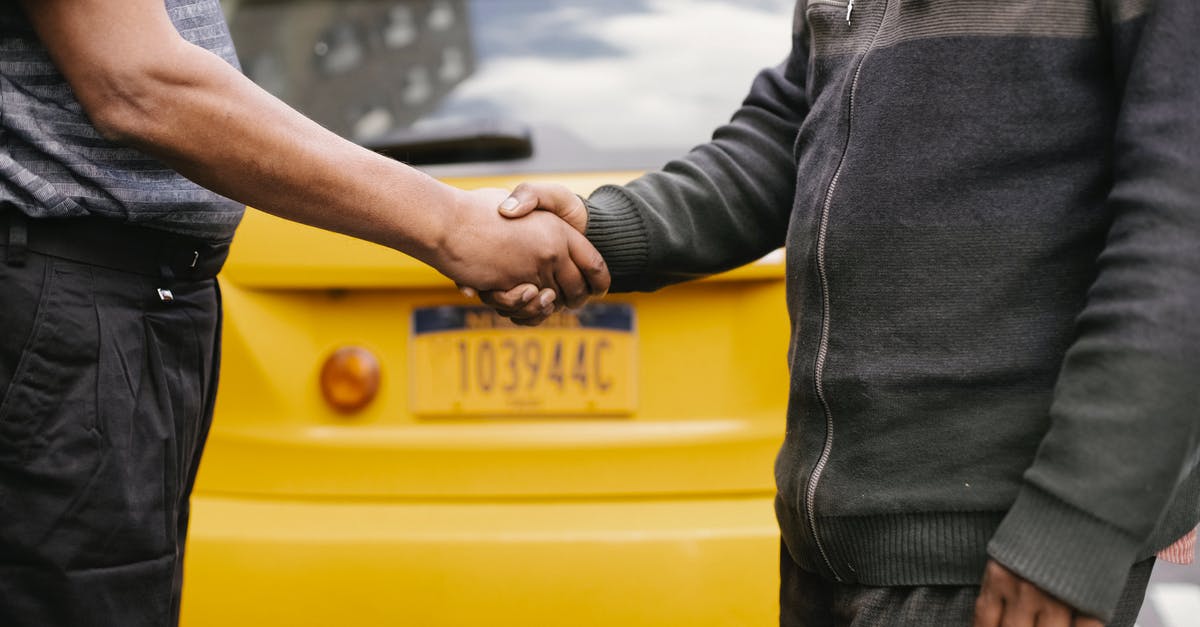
(386, 452)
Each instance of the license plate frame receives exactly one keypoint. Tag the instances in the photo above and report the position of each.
(466, 361)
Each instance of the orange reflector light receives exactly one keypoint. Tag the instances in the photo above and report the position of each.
(350, 378)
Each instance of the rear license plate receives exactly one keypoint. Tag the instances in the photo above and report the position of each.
(468, 361)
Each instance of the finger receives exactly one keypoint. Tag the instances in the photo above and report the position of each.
(546, 299)
(539, 308)
(1086, 621)
(556, 199)
(1018, 615)
(518, 206)
(590, 264)
(1054, 614)
(531, 322)
(469, 292)
(1025, 604)
(989, 608)
(542, 306)
(529, 196)
(537, 311)
(512, 300)
(573, 288)
(1028, 604)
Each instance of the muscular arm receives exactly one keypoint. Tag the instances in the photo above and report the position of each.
(143, 85)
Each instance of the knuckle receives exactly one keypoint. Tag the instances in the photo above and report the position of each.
(983, 609)
(596, 263)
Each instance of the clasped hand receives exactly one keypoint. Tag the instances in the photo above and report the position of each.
(526, 269)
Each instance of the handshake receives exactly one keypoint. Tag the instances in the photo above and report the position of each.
(523, 263)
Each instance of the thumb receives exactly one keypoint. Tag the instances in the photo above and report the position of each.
(555, 199)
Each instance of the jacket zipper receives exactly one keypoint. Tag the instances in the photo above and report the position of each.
(841, 4)
(810, 495)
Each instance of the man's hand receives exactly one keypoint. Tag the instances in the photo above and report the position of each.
(553, 198)
(1008, 600)
(523, 304)
(487, 252)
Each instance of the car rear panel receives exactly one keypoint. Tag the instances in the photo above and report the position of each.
(580, 563)
(658, 515)
(710, 387)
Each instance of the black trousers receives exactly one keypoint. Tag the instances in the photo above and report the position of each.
(108, 387)
(808, 600)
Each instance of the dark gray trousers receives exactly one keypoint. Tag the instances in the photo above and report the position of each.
(107, 396)
(808, 600)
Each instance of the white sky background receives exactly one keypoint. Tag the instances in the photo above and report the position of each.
(686, 66)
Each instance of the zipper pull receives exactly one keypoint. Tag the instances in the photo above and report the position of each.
(849, 10)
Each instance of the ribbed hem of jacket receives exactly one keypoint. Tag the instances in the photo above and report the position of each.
(1067, 552)
(914, 549)
(616, 229)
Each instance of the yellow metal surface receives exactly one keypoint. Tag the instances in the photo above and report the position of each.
(630, 563)
(658, 515)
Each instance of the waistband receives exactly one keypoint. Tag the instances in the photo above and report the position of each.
(111, 244)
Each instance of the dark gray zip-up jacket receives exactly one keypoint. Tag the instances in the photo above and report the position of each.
(991, 211)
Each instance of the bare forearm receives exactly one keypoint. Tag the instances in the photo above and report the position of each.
(144, 85)
(225, 133)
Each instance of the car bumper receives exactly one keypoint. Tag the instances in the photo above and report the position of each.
(535, 562)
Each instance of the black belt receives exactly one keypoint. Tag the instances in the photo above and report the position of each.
(112, 244)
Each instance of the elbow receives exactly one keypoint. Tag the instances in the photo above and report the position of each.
(129, 106)
(123, 117)
(116, 122)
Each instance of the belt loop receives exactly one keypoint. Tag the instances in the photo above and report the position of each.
(18, 238)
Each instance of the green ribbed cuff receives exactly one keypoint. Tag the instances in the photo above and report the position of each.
(616, 229)
(1067, 552)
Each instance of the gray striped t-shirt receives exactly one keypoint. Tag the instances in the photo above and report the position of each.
(53, 163)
